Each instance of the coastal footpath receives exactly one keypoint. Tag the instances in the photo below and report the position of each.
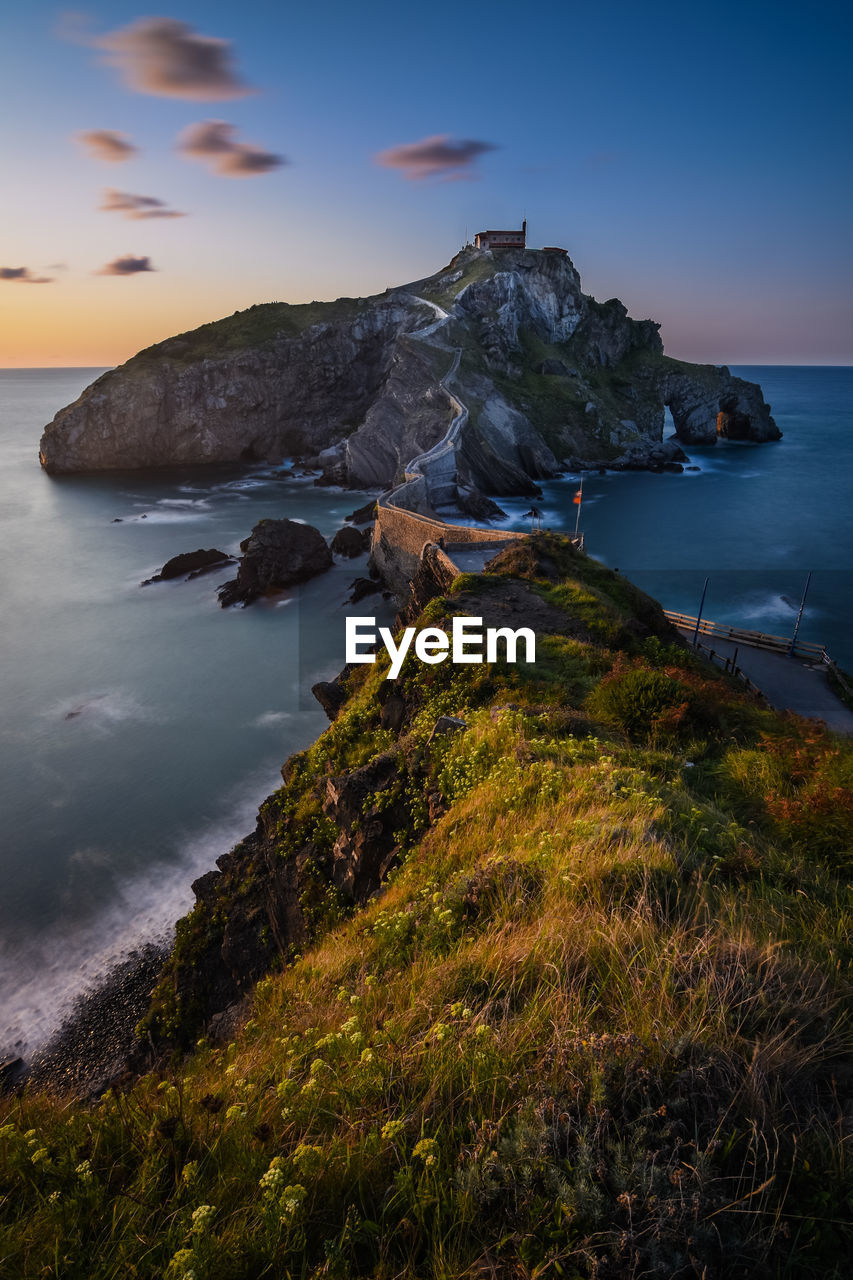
(550, 378)
(534, 969)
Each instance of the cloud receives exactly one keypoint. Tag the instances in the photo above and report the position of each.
(131, 206)
(126, 266)
(107, 144)
(23, 275)
(165, 57)
(213, 141)
(437, 157)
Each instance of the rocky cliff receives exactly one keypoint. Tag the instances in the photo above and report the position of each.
(361, 386)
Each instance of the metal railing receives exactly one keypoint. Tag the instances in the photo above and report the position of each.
(741, 635)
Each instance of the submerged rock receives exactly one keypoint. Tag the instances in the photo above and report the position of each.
(361, 587)
(277, 554)
(192, 563)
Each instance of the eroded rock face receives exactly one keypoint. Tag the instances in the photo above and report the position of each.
(363, 386)
(711, 402)
(285, 395)
(277, 554)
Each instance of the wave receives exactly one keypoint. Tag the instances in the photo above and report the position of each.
(41, 978)
(767, 604)
(103, 710)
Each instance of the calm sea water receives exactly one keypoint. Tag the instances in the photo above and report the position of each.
(140, 728)
(754, 519)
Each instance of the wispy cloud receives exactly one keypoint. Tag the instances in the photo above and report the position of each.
(23, 275)
(126, 266)
(214, 142)
(437, 157)
(107, 144)
(165, 57)
(132, 206)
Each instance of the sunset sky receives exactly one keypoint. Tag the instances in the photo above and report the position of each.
(693, 158)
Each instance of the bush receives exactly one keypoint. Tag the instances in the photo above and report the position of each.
(645, 704)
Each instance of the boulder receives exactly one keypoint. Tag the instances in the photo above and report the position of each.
(475, 504)
(190, 563)
(349, 542)
(277, 554)
(331, 696)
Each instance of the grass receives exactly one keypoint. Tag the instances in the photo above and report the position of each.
(597, 1024)
(258, 326)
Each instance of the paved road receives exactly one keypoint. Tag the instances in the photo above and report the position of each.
(788, 684)
(473, 561)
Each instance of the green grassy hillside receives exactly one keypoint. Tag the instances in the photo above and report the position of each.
(596, 1024)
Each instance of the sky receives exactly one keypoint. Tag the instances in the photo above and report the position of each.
(163, 168)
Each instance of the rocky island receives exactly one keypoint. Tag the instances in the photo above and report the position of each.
(548, 377)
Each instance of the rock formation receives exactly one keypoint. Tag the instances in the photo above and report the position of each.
(362, 386)
(277, 553)
(191, 563)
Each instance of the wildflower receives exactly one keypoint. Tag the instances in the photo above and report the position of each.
(308, 1159)
(370, 980)
(482, 1030)
(235, 1113)
(7, 1131)
(273, 1181)
(84, 1171)
(290, 1202)
(441, 1031)
(189, 1172)
(392, 1128)
(180, 1265)
(318, 1068)
(426, 1150)
(203, 1219)
(367, 1056)
(286, 1088)
(42, 1156)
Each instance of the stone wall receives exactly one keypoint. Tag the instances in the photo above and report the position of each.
(399, 538)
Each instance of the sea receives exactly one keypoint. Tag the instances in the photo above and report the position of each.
(141, 727)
